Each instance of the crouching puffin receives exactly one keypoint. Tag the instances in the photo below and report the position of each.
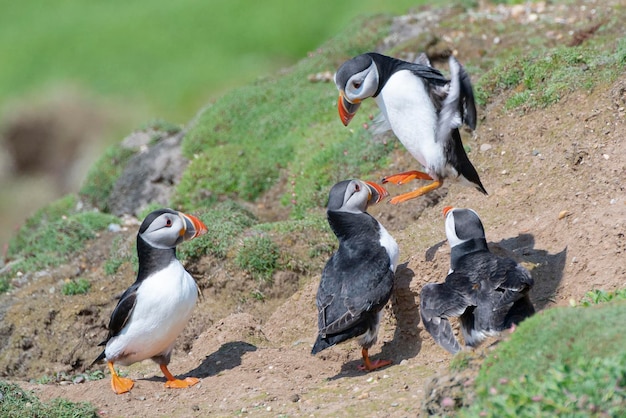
(358, 278)
(489, 293)
(153, 311)
(422, 108)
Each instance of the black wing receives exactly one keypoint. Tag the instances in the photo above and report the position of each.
(349, 295)
(438, 302)
(120, 315)
(122, 311)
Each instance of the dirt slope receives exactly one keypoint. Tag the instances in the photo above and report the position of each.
(557, 203)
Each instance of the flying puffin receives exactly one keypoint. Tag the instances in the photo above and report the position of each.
(358, 278)
(423, 109)
(153, 311)
(489, 293)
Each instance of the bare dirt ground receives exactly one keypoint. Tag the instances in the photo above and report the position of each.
(557, 203)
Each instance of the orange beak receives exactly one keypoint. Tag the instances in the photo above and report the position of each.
(377, 191)
(446, 210)
(346, 109)
(193, 226)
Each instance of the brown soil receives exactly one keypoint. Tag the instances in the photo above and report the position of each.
(556, 203)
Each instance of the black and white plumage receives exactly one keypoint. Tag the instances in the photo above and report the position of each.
(153, 311)
(422, 108)
(489, 293)
(357, 280)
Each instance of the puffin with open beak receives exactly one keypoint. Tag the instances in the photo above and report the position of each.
(422, 108)
(153, 311)
(357, 280)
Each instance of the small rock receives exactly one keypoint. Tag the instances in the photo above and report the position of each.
(395, 404)
(114, 227)
(404, 362)
(485, 147)
(268, 409)
(564, 213)
(363, 395)
(79, 379)
(195, 408)
(294, 398)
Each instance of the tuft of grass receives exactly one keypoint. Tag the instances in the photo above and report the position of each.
(258, 255)
(78, 286)
(53, 234)
(15, 402)
(555, 366)
(593, 297)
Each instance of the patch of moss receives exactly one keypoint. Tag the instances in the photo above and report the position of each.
(258, 255)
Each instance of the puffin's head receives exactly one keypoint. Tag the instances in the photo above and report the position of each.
(166, 228)
(355, 195)
(462, 225)
(356, 80)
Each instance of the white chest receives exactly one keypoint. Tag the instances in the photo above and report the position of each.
(407, 106)
(390, 244)
(165, 302)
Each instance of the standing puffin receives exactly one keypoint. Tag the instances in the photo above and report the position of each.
(489, 293)
(423, 109)
(154, 310)
(358, 278)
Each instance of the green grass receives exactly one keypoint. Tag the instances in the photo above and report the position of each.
(258, 255)
(561, 362)
(593, 297)
(52, 236)
(17, 403)
(542, 77)
(78, 286)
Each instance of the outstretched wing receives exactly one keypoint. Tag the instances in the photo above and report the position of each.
(438, 302)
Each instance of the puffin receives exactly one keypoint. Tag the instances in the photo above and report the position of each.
(487, 292)
(422, 108)
(357, 280)
(153, 311)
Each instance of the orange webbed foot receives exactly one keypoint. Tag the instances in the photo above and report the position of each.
(369, 365)
(181, 384)
(119, 384)
(405, 177)
(174, 383)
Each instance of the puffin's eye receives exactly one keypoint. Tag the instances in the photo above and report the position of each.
(357, 188)
(168, 223)
(356, 84)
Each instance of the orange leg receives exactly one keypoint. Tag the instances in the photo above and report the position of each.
(417, 192)
(119, 384)
(172, 382)
(372, 365)
(405, 177)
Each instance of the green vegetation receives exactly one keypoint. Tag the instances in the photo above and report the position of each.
(258, 255)
(16, 403)
(225, 222)
(542, 77)
(593, 297)
(51, 236)
(561, 362)
(78, 286)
